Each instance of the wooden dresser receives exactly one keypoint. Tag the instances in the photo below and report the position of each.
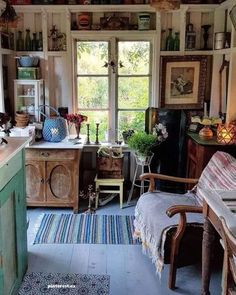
(52, 177)
(200, 151)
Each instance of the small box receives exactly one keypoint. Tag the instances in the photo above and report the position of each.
(29, 73)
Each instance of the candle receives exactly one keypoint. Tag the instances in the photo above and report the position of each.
(205, 109)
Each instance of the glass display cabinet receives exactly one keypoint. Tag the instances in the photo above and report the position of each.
(29, 94)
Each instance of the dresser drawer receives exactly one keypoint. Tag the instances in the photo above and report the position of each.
(50, 154)
(10, 169)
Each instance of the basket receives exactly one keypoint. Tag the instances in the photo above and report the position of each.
(21, 119)
(54, 129)
(109, 167)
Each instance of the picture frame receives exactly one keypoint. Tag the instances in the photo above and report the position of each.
(183, 81)
(223, 87)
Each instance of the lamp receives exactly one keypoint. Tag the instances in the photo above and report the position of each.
(165, 4)
(206, 132)
(8, 18)
(226, 133)
(232, 15)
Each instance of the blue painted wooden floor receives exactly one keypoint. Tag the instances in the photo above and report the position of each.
(131, 272)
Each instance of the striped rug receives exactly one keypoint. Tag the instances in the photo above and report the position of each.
(85, 229)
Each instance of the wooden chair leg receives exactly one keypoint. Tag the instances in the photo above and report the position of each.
(175, 250)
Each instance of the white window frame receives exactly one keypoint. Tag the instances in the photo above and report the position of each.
(112, 38)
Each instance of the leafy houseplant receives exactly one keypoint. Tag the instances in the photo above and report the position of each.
(142, 143)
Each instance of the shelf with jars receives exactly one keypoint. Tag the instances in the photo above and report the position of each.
(199, 30)
(56, 31)
(28, 95)
(170, 30)
(224, 36)
(188, 29)
(113, 20)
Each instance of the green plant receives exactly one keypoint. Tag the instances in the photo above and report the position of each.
(142, 142)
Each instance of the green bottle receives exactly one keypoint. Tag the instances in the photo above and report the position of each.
(27, 40)
(34, 42)
(176, 41)
(170, 41)
(20, 42)
(40, 42)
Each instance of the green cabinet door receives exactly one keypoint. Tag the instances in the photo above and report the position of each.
(13, 229)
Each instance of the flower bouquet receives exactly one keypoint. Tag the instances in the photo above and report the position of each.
(159, 130)
(77, 120)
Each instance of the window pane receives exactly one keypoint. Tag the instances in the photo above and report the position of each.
(131, 120)
(92, 57)
(93, 117)
(135, 57)
(133, 92)
(92, 92)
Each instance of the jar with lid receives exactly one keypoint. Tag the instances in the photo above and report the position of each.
(144, 21)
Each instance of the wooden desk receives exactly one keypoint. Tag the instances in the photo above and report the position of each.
(200, 152)
(214, 206)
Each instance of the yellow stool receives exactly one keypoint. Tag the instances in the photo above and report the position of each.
(109, 182)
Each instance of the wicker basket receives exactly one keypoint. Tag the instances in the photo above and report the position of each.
(22, 119)
(109, 167)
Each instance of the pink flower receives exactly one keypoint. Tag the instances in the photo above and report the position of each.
(77, 119)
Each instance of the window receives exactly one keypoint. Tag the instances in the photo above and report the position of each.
(113, 84)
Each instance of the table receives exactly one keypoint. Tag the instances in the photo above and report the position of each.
(214, 206)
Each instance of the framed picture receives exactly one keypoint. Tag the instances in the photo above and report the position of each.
(183, 81)
(224, 79)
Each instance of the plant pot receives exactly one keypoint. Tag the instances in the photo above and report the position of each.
(143, 160)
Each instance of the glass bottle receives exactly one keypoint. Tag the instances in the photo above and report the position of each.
(34, 43)
(40, 42)
(27, 40)
(20, 42)
(170, 41)
(11, 41)
(190, 37)
(176, 42)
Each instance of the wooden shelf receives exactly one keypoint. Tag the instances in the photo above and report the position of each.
(85, 8)
(223, 51)
(187, 52)
(7, 51)
(56, 53)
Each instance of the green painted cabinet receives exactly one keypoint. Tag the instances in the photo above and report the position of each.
(13, 224)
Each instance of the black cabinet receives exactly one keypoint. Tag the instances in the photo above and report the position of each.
(169, 156)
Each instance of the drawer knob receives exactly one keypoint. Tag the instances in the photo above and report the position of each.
(45, 154)
(42, 180)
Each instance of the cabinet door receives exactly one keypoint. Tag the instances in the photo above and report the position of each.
(13, 242)
(60, 183)
(35, 181)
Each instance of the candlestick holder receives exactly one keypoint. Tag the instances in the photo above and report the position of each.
(88, 134)
(97, 127)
